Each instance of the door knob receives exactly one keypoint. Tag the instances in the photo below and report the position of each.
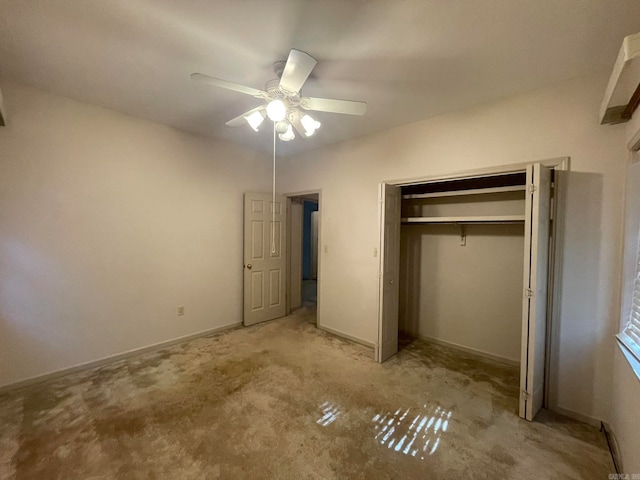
(249, 266)
(391, 282)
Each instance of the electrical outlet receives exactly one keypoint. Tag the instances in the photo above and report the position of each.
(180, 310)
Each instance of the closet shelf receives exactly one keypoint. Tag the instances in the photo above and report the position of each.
(467, 219)
(458, 193)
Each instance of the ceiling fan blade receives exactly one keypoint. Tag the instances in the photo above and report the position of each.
(240, 119)
(333, 106)
(236, 87)
(296, 71)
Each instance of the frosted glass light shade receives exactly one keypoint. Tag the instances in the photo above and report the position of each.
(310, 125)
(288, 135)
(282, 126)
(276, 110)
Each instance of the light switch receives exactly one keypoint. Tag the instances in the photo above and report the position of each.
(326, 249)
(375, 251)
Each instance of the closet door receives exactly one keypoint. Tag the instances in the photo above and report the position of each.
(534, 311)
(389, 274)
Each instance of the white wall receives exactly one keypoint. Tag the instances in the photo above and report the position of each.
(561, 120)
(107, 224)
(469, 296)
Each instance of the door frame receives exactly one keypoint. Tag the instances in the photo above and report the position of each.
(560, 166)
(288, 197)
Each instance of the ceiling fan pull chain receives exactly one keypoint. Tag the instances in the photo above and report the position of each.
(273, 202)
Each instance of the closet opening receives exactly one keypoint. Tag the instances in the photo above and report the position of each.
(467, 263)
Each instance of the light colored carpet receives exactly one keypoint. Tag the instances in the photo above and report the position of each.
(285, 400)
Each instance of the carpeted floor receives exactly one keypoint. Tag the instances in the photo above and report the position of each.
(285, 400)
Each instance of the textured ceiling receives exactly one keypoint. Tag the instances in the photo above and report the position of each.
(407, 59)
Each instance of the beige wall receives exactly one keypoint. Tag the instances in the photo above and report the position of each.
(107, 224)
(561, 120)
(469, 296)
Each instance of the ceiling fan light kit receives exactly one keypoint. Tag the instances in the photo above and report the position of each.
(310, 125)
(283, 101)
(277, 110)
(288, 135)
(283, 106)
(282, 126)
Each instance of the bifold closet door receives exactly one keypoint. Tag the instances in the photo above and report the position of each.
(534, 308)
(389, 273)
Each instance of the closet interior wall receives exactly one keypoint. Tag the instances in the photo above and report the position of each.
(461, 283)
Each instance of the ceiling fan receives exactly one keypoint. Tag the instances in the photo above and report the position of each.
(283, 103)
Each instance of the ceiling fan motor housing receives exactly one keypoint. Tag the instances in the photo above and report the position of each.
(278, 68)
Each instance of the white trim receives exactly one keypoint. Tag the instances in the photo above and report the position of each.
(302, 193)
(3, 112)
(287, 292)
(462, 348)
(558, 163)
(554, 280)
(459, 193)
(377, 348)
(634, 142)
(114, 358)
(629, 354)
(589, 420)
(346, 336)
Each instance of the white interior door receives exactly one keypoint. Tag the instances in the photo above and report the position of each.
(264, 258)
(390, 200)
(534, 310)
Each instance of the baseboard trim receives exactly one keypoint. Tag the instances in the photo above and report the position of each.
(113, 358)
(338, 333)
(456, 346)
(613, 446)
(595, 422)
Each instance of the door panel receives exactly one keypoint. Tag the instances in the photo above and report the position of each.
(257, 235)
(257, 291)
(274, 287)
(275, 249)
(534, 310)
(264, 259)
(389, 271)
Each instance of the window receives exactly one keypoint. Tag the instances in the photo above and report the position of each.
(630, 335)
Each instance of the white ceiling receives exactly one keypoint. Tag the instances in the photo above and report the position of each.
(407, 59)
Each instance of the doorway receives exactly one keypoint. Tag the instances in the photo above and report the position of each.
(303, 258)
